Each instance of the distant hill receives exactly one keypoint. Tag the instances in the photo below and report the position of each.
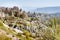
(56, 14)
(48, 10)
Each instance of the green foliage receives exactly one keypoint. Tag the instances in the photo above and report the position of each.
(16, 14)
(4, 37)
(19, 34)
(26, 35)
(35, 18)
(55, 22)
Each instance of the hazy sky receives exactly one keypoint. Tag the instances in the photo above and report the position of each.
(29, 4)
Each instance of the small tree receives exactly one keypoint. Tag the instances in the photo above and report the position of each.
(55, 22)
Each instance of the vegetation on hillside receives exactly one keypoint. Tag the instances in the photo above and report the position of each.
(18, 25)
